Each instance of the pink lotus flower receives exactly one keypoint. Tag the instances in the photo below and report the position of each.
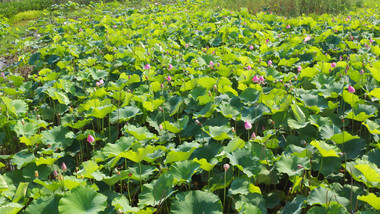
(370, 40)
(307, 39)
(351, 89)
(253, 136)
(169, 78)
(362, 72)
(115, 26)
(333, 65)
(170, 67)
(287, 26)
(101, 81)
(161, 127)
(261, 79)
(270, 63)
(255, 79)
(352, 38)
(267, 41)
(249, 67)
(63, 167)
(251, 47)
(55, 173)
(90, 139)
(147, 67)
(299, 166)
(186, 45)
(226, 166)
(247, 125)
(279, 35)
(211, 63)
(299, 69)
(97, 84)
(80, 30)
(2, 74)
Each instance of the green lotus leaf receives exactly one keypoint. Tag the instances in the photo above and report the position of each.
(240, 185)
(218, 132)
(196, 201)
(372, 200)
(343, 137)
(373, 127)
(89, 167)
(142, 172)
(120, 146)
(101, 112)
(183, 152)
(22, 158)
(295, 206)
(182, 171)
(375, 92)
(3, 184)
(254, 113)
(206, 82)
(122, 203)
(140, 154)
(25, 128)
(217, 180)
(11, 208)
(292, 165)
(50, 185)
(350, 98)
(245, 161)
(56, 137)
(235, 143)
(227, 110)
(250, 95)
(325, 149)
(156, 192)
(17, 107)
(82, 199)
(140, 133)
(124, 114)
(375, 73)
(368, 172)
(331, 209)
(322, 195)
(204, 164)
(44, 205)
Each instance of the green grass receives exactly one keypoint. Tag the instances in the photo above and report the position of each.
(295, 7)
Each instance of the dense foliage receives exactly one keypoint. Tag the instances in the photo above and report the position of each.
(176, 109)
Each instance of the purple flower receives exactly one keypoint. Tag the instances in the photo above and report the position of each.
(247, 125)
(351, 89)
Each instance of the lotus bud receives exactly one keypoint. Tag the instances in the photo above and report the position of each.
(211, 63)
(90, 139)
(351, 89)
(161, 127)
(251, 47)
(247, 125)
(81, 176)
(22, 121)
(198, 123)
(362, 72)
(299, 166)
(161, 109)
(63, 167)
(55, 173)
(253, 136)
(36, 174)
(233, 130)
(129, 174)
(226, 166)
(333, 65)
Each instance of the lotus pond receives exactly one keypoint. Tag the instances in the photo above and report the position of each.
(180, 109)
